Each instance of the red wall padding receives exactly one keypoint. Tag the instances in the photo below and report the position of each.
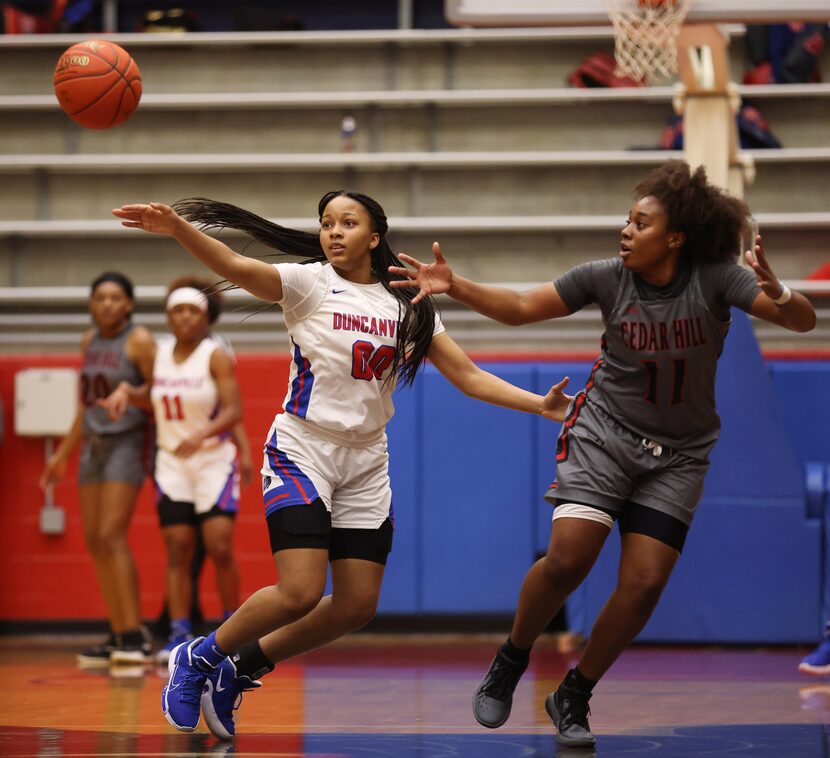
(46, 577)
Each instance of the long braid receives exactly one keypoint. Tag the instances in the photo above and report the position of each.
(211, 214)
(416, 323)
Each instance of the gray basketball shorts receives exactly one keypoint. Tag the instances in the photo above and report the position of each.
(114, 458)
(600, 462)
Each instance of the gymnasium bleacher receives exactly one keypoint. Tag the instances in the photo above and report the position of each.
(467, 136)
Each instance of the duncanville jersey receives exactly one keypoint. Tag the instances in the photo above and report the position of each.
(105, 366)
(342, 340)
(184, 395)
(660, 349)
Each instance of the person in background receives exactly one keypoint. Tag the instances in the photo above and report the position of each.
(113, 462)
(195, 400)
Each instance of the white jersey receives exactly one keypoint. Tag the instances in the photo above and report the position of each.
(184, 395)
(342, 342)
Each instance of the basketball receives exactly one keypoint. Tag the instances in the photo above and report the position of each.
(97, 84)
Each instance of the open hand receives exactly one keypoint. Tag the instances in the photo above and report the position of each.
(556, 401)
(53, 472)
(188, 446)
(116, 403)
(153, 217)
(767, 280)
(432, 278)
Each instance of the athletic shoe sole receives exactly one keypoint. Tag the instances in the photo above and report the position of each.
(490, 724)
(550, 707)
(125, 672)
(809, 668)
(129, 657)
(217, 729)
(92, 661)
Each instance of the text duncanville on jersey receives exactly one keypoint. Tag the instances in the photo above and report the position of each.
(348, 322)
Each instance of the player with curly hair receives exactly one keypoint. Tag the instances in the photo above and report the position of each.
(635, 445)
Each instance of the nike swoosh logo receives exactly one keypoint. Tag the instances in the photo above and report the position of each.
(337, 292)
(170, 685)
(219, 687)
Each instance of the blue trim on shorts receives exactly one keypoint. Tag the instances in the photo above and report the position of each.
(296, 487)
(302, 385)
(226, 501)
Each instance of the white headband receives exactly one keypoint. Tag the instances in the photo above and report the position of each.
(187, 296)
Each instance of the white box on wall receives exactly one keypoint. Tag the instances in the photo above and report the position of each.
(45, 401)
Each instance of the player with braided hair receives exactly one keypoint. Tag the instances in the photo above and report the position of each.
(325, 472)
(635, 445)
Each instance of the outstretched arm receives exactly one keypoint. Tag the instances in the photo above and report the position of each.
(55, 468)
(796, 314)
(258, 278)
(473, 381)
(498, 303)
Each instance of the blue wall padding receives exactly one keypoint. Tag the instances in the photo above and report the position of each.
(753, 457)
(825, 595)
(803, 392)
(468, 482)
(401, 582)
(749, 573)
(816, 486)
(477, 495)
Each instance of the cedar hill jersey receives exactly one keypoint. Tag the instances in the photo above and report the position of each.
(660, 348)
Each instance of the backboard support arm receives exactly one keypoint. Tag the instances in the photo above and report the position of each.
(709, 102)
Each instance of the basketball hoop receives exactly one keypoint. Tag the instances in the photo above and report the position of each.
(645, 34)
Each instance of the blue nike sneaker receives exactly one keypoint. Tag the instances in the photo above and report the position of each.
(818, 662)
(180, 696)
(222, 695)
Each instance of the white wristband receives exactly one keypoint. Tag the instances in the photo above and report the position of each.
(786, 294)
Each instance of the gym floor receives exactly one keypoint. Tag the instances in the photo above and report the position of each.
(410, 697)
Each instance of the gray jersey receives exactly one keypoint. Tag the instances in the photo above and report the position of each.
(660, 349)
(105, 366)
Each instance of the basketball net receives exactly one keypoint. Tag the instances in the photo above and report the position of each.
(645, 34)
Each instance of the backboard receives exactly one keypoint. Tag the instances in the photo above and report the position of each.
(593, 12)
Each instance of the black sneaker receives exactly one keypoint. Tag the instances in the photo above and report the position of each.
(568, 709)
(136, 648)
(98, 655)
(494, 697)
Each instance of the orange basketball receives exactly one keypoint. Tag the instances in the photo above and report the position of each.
(97, 84)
